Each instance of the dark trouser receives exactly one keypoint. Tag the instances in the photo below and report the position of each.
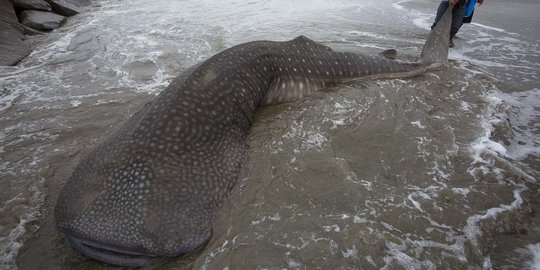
(457, 16)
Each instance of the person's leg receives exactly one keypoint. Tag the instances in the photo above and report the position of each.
(457, 21)
(440, 12)
(457, 18)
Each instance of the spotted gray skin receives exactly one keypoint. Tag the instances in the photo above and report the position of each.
(152, 189)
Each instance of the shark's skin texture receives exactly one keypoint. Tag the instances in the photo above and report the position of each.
(152, 189)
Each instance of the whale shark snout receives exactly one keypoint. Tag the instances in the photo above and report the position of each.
(132, 231)
(129, 256)
(111, 255)
(115, 213)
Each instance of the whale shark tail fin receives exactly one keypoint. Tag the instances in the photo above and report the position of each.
(435, 50)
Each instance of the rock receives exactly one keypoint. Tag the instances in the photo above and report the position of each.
(41, 20)
(32, 4)
(8, 16)
(12, 48)
(29, 31)
(65, 7)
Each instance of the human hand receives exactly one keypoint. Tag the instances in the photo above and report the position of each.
(453, 2)
(479, 2)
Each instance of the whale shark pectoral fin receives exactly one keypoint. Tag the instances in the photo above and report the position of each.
(389, 54)
(284, 90)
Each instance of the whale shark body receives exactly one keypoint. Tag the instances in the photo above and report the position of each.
(152, 189)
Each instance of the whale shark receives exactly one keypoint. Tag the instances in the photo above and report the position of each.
(152, 189)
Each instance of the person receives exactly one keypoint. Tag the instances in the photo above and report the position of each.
(458, 15)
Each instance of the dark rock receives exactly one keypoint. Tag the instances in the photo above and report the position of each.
(29, 31)
(8, 16)
(41, 20)
(65, 7)
(12, 48)
(31, 4)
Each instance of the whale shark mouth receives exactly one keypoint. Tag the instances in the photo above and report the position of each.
(110, 255)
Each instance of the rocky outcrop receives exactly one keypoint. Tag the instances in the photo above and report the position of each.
(31, 4)
(12, 45)
(8, 16)
(36, 18)
(41, 20)
(65, 7)
(12, 48)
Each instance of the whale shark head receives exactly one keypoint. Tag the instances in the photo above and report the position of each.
(112, 210)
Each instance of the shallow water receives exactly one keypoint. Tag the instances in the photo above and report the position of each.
(437, 171)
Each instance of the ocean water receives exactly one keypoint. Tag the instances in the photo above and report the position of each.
(439, 171)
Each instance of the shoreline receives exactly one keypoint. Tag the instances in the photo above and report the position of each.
(20, 19)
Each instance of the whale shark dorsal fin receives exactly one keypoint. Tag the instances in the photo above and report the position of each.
(303, 39)
(389, 54)
(309, 43)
